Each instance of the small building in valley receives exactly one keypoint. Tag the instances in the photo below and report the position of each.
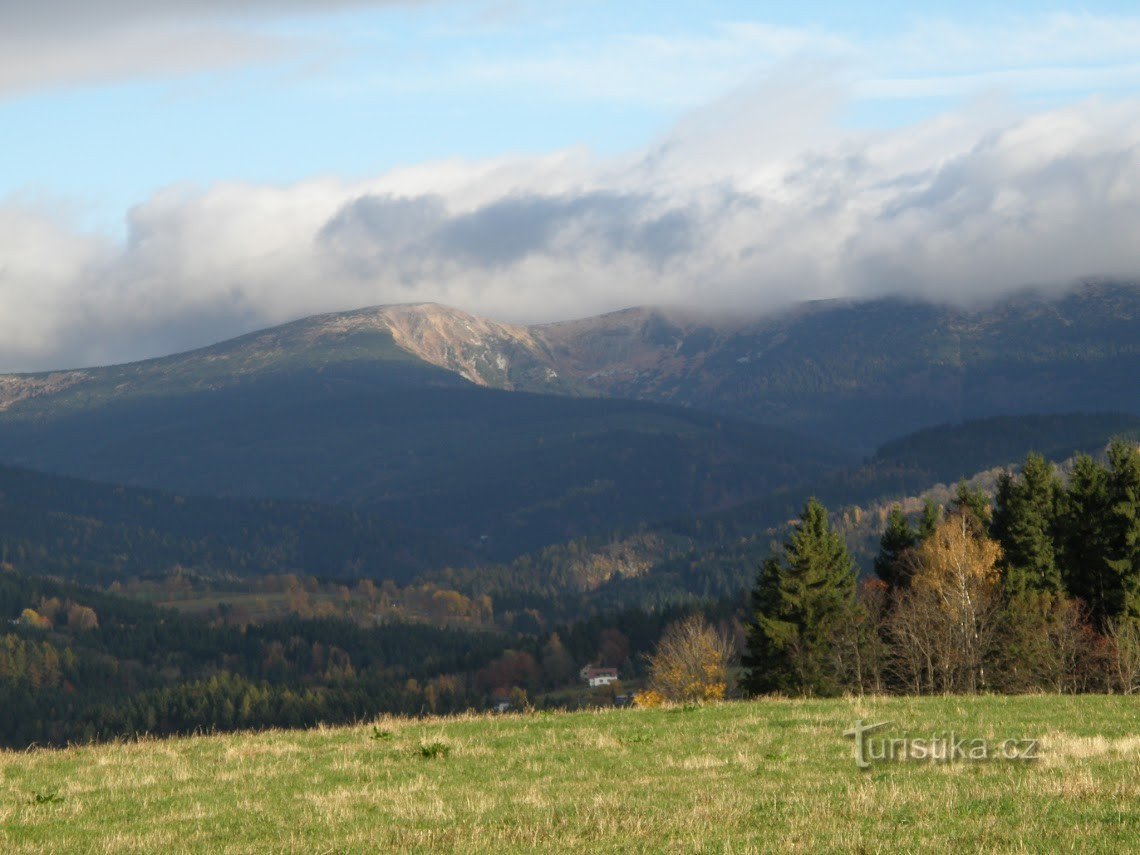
(596, 677)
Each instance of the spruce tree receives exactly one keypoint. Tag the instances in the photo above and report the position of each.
(1084, 539)
(1124, 526)
(1025, 521)
(764, 660)
(973, 501)
(928, 522)
(898, 539)
(804, 609)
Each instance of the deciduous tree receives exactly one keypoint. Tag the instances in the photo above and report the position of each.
(691, 662)
(945, 623)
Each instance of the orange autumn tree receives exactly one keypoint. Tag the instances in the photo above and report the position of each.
(690, 664)
(945, 624)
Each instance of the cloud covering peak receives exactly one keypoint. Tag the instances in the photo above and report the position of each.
(743, 214)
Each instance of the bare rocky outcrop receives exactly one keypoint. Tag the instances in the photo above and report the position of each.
(21, 387)
(477, 349)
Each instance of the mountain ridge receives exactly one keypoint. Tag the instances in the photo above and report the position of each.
(852, 373)
(413, 444)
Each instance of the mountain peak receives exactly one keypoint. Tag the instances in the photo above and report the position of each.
(481, 351)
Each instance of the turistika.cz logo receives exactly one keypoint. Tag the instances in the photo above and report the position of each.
(941, 747)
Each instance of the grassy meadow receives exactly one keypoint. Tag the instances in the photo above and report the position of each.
(737, 777)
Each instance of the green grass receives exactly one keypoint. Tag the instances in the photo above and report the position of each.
(742, 777)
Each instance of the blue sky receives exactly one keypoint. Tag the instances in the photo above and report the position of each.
(363, 90)
(140, 135)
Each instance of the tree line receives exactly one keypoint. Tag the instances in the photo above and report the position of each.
(1037, 590)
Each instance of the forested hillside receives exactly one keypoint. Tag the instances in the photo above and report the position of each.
(77, 664)
(499, 471)
(103, 534)
(99, 533)
(715, 555)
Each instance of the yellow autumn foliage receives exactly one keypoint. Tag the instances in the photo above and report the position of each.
(648, 699)
(690, 663)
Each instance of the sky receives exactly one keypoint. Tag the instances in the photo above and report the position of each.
(175, 172)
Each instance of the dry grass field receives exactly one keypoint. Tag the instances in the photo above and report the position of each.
(735, 777)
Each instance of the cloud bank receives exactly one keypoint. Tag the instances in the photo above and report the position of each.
(735, 209)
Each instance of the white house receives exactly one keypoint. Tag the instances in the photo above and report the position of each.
(596, 677)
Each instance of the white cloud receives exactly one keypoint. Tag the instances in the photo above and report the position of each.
(751, 201)
(125, 53)
(51, 43)
(723, 212)
(55, 15)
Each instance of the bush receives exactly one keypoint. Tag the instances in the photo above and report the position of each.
(648, 699)
(690, 664)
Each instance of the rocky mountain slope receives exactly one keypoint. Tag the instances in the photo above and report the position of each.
(853, 373)
(860, 373)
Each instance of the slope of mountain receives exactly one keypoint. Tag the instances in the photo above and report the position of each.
(416, 344)
(949, 452)
(97, 533)
(401, 410)
(332, 410)
(717, 555)
(855, 373)
(921, 460)
(859, 373)
(312, 344)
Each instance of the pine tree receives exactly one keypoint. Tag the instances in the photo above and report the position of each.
(766, 661)
(973, 501)
(899, 538)
(928, 522)
(1084, 539)
(1124, 526)
(1025, 521)
(804, 611)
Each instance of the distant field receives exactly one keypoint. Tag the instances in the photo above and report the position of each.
(740, 777)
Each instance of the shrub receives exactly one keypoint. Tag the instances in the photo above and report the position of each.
(648, 699)
(690, 663)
